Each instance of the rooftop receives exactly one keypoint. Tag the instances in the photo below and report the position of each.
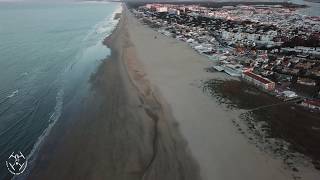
(257, 77)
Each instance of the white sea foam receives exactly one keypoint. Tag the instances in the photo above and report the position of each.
(52, 120)
(13, 94)
(98, 33)
(105, 27)
(96, 50)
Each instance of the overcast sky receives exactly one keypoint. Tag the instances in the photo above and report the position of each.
(144, 0)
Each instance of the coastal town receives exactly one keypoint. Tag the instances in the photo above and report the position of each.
(272, 47)
(160, 89)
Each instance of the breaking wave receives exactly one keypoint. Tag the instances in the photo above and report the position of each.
(55, 115)
(104, 28)
(13, 94)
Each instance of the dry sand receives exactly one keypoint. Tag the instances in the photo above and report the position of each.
(175, 72)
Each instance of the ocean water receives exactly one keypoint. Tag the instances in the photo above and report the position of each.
(313, 9)
(47, 53)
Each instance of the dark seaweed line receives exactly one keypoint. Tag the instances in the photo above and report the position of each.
(155, 140)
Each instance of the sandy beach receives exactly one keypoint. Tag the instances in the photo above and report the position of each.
(121, 132)
(147, 118)
(176, 72)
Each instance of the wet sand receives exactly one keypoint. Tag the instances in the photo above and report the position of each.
(147, 118)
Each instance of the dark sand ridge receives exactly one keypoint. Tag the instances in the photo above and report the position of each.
(122, 132)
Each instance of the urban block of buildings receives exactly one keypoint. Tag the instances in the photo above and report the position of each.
(271, 46)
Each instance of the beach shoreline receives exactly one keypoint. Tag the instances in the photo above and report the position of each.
(121, 131)
(146, 117)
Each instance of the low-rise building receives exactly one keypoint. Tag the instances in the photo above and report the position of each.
(313, 104)
(259, 81)
(306, 81)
